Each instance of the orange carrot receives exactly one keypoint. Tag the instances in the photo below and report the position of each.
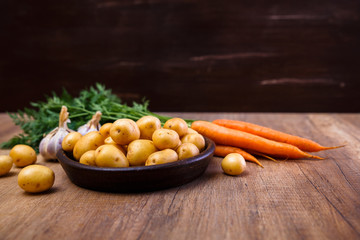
(236, 138)
(302, 143)
(222, 151)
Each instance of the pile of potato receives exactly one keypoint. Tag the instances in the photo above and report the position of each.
(125, 143)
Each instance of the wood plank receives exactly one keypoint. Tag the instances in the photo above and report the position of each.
(293, 199)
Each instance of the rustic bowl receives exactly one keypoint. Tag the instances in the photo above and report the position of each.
(137, 179)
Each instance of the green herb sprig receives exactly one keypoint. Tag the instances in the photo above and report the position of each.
(36, 122)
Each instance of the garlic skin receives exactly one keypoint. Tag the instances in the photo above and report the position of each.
(92, 125)
(51, 143)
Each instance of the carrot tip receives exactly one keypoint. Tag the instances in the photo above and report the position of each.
(317, 157)
(328, 148)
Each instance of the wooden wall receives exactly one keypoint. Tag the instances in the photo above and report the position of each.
(182, 55)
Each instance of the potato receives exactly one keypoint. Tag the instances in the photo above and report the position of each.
(6, 163)
(69, 141)
(187, 150)
(178, 125)
(88, 158)
(110, 141)
(190, 130)
(139, 150)
(105, 129)
(161, 157)
(89, 141)
(23, 155)
(165, 138)
(124, 131)
(233, 164)
(147, 126)
(36, 178)
(194, 138)
(110, 156)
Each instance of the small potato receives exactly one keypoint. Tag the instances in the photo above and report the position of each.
(88, 158)
(233, 164)
(165, 138)
(190, 130)
(36, 178)
(196, 139)
(110, 141)
(69, 141)
(105, 129)
(187, 150)
(23, 155)
(110, 156)
(147, 126)
(124, 131)
(89, 141)
(6, 163)
(178, 125)
(139, 150)
(161, 157)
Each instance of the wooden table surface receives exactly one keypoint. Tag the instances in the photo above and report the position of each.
(293, 199)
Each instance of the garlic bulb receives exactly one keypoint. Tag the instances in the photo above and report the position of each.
(92, 125)
(51, 143)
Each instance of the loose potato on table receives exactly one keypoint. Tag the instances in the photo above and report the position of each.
(139, 150)
(161, 157)
(6, 163)
(147, 126)
(233, 164)
(89, 141)
(23, 155)
(36, 178)
(124, 131)
(165, 138)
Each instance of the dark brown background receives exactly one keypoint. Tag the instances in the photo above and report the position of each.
(279, 55)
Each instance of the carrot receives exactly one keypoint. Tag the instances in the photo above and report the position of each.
(222, 151)
(236, 138)
(302, 143)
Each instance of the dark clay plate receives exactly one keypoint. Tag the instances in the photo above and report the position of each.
(137, 179)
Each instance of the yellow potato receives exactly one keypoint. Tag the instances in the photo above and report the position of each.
(88, 158)
(105, 129)
(190, 130)
(178, 125)
(147, 126)
(89, 141)
(194, 138)
(187, 150)
(6, 163)
(161, 157)
(110, 141)
(165, 138)
(233, 164)
(36, 178)
(110, 156)
(139, 150)
(69, 141)
(124, 131)
(23, 155)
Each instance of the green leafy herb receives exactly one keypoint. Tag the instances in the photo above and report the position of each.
(36, 122)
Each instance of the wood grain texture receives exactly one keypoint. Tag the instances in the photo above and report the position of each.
(294, 199)
(254, 56)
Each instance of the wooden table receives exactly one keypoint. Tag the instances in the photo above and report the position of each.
(293, 199)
